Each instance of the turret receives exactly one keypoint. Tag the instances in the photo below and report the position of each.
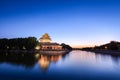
(45, 38)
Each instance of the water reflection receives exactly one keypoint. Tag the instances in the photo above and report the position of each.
(23, 59)
(28, 60)
(74, 65)
(44, 61)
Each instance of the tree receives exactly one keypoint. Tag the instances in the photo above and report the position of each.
(18, 43)
(3, 43)
(66, 47)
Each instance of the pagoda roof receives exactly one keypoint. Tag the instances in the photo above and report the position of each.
(45, 36)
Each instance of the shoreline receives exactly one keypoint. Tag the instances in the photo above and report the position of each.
(107, 52)
(54, 52)
(49, 52)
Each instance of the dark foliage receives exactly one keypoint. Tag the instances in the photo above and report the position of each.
(113, 45)
(66, 47)
(86, 48)
(18, 43)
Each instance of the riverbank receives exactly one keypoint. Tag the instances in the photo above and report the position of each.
(109, 52)
(53, 52)
(47, 52)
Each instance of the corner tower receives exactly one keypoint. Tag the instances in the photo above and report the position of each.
(45, 38)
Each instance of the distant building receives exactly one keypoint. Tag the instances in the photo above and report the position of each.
(46, 44)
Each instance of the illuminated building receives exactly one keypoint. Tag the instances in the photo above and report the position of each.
(46, 44)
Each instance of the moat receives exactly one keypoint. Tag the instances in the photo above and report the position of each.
(75, 65)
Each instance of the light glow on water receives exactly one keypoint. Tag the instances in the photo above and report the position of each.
(74, 65)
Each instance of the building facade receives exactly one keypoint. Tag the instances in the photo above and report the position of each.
(46, 44)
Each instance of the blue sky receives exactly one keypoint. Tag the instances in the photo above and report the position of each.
(75, 22)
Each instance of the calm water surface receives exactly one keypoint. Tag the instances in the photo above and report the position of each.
(76, 65)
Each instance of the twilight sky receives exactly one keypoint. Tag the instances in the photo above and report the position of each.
(74, 22)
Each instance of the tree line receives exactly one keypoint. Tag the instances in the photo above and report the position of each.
(18, 43)
(113, 45)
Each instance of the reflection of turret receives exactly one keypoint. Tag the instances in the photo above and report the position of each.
(55, 58)
(45, 60)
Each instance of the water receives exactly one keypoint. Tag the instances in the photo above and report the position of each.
(76, 65)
